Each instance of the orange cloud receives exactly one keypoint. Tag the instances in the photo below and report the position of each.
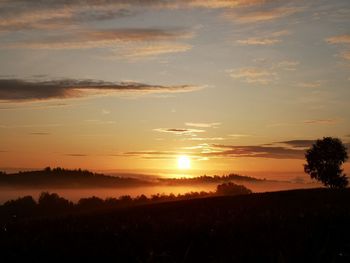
(259, 41)
(341, 39)
(224, 3)
(150, 50)
(345, 55)
(104, 38)
(253, 75)
(261, 16)
(267, 39)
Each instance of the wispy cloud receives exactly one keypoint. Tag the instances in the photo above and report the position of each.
(322, 121)
(206, 151)
(85, 39)
(223, 3)
(40, 133)
(267, 40)
(23, 90)
(345, 55)
(259, 41)
(340, 39)
(313, 84)
(205, 139)
(289, 149)
(161, 155)
(203, 124)
(76, 155)
(261, 15)
(343, 40)
(149, 50)
(239, 135)
(298, 143)
(179, 131)
(253, 75)
(289, 65)
(258, 151)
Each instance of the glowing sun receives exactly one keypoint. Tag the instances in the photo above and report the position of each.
(183, 162)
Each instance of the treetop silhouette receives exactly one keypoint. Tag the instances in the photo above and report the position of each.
(324, 160)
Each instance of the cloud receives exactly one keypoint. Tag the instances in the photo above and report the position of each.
(345, 55)
(223, 3)
(321, 121)
(59, 14)
(105, 112)
(238, 135)
(40, 133)
(259, 41)
(179, 131)
(261, 15)
(343, 40)
(340, 39)
(258, 151)
(150, 50)
(313, 84)
(253, 75)
(290, 149)
(76, 155)
(157, 155)
(267, 39)
(82, 39)
(203, 124)
(23, 90)
(289, 65)
(205, 139)
(299, 143)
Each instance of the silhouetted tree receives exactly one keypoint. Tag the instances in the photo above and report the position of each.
(232, 189)
(324, 160)
(21, 204)
(53, 201)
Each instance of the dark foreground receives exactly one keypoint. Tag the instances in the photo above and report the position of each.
(290, 226)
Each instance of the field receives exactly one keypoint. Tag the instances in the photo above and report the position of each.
(290, 226)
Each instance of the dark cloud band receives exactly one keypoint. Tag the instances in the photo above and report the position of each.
(23, 90)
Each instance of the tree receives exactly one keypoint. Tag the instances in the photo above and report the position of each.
(232, 189)
(324, 160)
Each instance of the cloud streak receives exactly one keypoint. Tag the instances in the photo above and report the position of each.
(179, 131)
(340, 39)
(22, 90)
(203, 124)
(82, 39)
(257, 151)
(298, 143)
(343, 40)
(321, 121)
(261, 15)
(150, 50)
(267, 40)
(253, 75)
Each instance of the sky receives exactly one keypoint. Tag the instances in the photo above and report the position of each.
(235, 85)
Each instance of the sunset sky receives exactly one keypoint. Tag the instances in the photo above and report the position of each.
(236, 85)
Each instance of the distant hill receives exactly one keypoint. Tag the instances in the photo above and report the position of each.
(64, 178)
(205, 179)
(78, 178)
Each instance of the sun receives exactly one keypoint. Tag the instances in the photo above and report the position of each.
(183, 162)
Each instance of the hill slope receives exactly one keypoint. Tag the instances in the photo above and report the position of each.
(291, 226)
